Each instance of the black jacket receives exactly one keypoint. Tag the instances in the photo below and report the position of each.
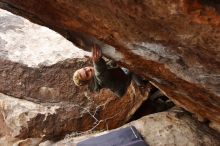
(106, 77)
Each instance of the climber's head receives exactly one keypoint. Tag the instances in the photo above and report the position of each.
(83, 76)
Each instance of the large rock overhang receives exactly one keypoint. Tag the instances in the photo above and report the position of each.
(174, 43)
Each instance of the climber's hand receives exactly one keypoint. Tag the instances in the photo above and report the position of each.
(96, 53)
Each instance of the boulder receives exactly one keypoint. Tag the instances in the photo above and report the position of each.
(22, 119)
(11, 141)
(175, 44)
(175, 127)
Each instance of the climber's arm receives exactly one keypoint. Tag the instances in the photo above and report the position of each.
(115, 78)
(100, 67)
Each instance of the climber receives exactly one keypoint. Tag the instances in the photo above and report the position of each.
(109, 75)
(102, 75)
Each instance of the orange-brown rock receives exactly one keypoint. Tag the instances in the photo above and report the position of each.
(174, 43)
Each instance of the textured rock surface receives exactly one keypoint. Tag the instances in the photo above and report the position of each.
(25, 119)
(44, 102)
(161, 129)
(31, 44)
(10, 141)
(53, 86)
(174, 43)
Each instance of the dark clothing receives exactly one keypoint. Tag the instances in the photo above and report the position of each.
(128, 136)
(113, 78)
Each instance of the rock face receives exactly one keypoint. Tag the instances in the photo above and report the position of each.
(175, 44)
(171, 128)
(21, 42)
(24, 119)
(9, 141)
(38, 99)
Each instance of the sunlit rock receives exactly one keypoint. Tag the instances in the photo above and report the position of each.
(31, 44)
